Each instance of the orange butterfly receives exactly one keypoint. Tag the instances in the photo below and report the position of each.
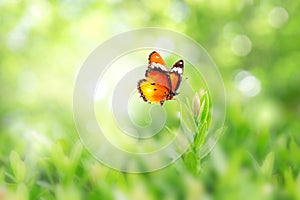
(160, 83)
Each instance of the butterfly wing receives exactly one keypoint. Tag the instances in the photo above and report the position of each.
(152, 92)
(159, 77)
(175, 74)
(156, 61)
(160, 84)
(157, 85)
(157, 70)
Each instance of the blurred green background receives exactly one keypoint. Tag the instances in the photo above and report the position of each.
(255, 44)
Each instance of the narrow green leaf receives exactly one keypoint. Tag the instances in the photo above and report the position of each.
(208, 145)
(76, 152)
(191, 161)
(68, 192)
(293, 146)
(198, 120)
(71, 162)
(201, 135)
(208, 121)
(2, 173)
(196, 105)
(18, 167)
(57, 155)
(187, 118)
(297, 184)
(204, 108)
(267, 166)
(254, 162)
(289, 181)
(22, 192)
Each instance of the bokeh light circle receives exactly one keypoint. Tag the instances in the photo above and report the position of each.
(241, 45)
(104, 101)
(278, 16)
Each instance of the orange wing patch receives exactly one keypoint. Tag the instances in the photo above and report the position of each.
(176, 74)
(154, 57)
(175, 80)
(158, 76)
(152, 92)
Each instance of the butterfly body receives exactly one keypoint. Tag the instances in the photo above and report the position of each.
(160, 84)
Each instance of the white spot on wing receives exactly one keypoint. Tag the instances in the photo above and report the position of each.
(158, 65)
(177, 69)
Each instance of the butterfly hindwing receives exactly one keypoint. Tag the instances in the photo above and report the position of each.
(175, 74)
(152, 92)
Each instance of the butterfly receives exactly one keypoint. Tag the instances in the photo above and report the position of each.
(160, 84)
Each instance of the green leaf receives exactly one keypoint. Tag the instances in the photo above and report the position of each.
(202, 105)
(22, 192)
(188, 119)
(297, 184)
(2, 172)
(201, 135)
(76, 152)
(68, 192)
(196, 105)
(57, 155)
(191, 161)
(18, 167)
(204, 108)
(289, 181)
(267, 166)
(208, 145)
(254, 162)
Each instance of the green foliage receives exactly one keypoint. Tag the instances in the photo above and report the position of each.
(267, 166)
(43, 44)
(196, 118)
(187, 118)
(18, 167)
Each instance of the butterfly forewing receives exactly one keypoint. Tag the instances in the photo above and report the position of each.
(154, 57)
(156, 61)
(159, 77)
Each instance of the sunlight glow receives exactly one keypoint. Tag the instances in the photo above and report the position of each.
(27, 82)
(101, 91)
